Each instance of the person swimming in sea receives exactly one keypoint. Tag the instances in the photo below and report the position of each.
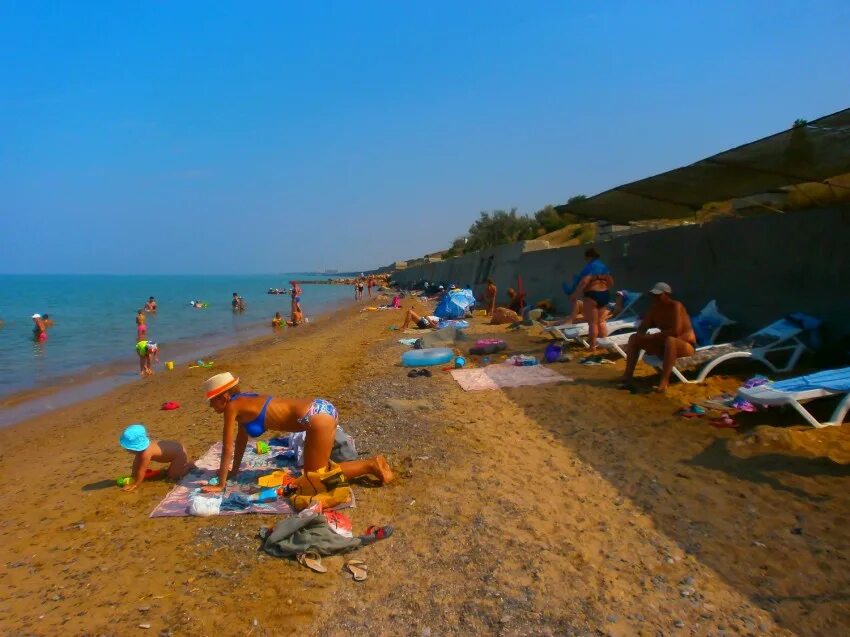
(249, 415)
(39, 329)
(141, 326)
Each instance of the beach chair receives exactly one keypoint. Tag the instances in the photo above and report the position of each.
(708, 324)
(626, 320)
(802, 389)
(780, 338)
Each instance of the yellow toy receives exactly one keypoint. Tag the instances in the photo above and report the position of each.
(262, 447)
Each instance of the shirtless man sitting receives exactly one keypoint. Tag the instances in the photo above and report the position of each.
(675, 340)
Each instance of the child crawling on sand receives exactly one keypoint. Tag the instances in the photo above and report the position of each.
(135, 439)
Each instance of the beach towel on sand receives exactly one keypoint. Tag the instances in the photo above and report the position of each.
(498, 376)
(254, 466)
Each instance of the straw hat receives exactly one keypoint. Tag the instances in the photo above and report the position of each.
(219, 384)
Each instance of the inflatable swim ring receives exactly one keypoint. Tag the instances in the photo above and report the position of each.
(426, 357)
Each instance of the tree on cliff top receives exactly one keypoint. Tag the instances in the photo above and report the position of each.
(499, 227)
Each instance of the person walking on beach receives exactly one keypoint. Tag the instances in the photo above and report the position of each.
(370, 283)
(592, 287)
(675, 340)
(249, 415)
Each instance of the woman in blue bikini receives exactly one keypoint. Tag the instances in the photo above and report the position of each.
(249, 415)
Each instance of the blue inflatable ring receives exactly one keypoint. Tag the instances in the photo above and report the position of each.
(426, 357)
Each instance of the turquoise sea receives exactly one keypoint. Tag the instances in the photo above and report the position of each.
(95, 325)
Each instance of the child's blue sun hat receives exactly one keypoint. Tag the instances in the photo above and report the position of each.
(135, 438)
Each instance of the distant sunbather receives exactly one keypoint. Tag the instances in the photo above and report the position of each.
(422, 322)
(517, 303)
(490, 297)
(675, 339)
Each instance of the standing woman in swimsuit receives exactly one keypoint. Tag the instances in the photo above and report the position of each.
(249, 415)
(593, 289)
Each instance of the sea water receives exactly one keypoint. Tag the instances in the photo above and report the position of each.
(95, 319)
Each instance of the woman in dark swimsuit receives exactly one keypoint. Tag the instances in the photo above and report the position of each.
(250, 415)
(593, 289)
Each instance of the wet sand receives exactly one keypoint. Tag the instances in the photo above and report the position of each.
(563, 509)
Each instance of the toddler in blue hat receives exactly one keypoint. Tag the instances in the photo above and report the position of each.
(135, 440)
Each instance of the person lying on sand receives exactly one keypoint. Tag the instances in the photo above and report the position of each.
(249, 415)
(675, 340)
(135, 440)
(422, 322)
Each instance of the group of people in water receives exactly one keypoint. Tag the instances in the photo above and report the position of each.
(40, 325)
(148, 351)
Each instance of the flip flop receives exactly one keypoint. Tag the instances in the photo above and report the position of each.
(313, 561)
(724, 422)
(380, 532)
(358, 569)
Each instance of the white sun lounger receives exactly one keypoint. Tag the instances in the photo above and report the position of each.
(627, 320)
(797, 391)
(710, 314)
(781, 337)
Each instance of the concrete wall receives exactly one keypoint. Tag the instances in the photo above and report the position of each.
(757, 268)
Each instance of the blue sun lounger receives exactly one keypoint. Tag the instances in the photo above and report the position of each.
(801, 389)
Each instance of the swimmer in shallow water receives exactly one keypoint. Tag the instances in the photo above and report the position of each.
(249, 415)
(39, 329)
(141, 326)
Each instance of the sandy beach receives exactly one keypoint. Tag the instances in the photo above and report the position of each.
(563, 509)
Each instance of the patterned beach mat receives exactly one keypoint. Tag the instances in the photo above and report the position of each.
(254, 465)
(498, 376)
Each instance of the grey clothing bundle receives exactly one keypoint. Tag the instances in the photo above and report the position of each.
(295, 535)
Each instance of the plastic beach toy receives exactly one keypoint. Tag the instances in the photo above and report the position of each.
(427, 357)
(150, 474)
(460, 361)
(552, 353)
(169, 365)
(262, 446)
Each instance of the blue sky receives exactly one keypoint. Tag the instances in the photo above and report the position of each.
(166, 137)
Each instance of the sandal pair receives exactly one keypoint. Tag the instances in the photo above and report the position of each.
(313, 561)
(413, 373)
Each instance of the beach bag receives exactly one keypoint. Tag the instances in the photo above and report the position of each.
(326, 486)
